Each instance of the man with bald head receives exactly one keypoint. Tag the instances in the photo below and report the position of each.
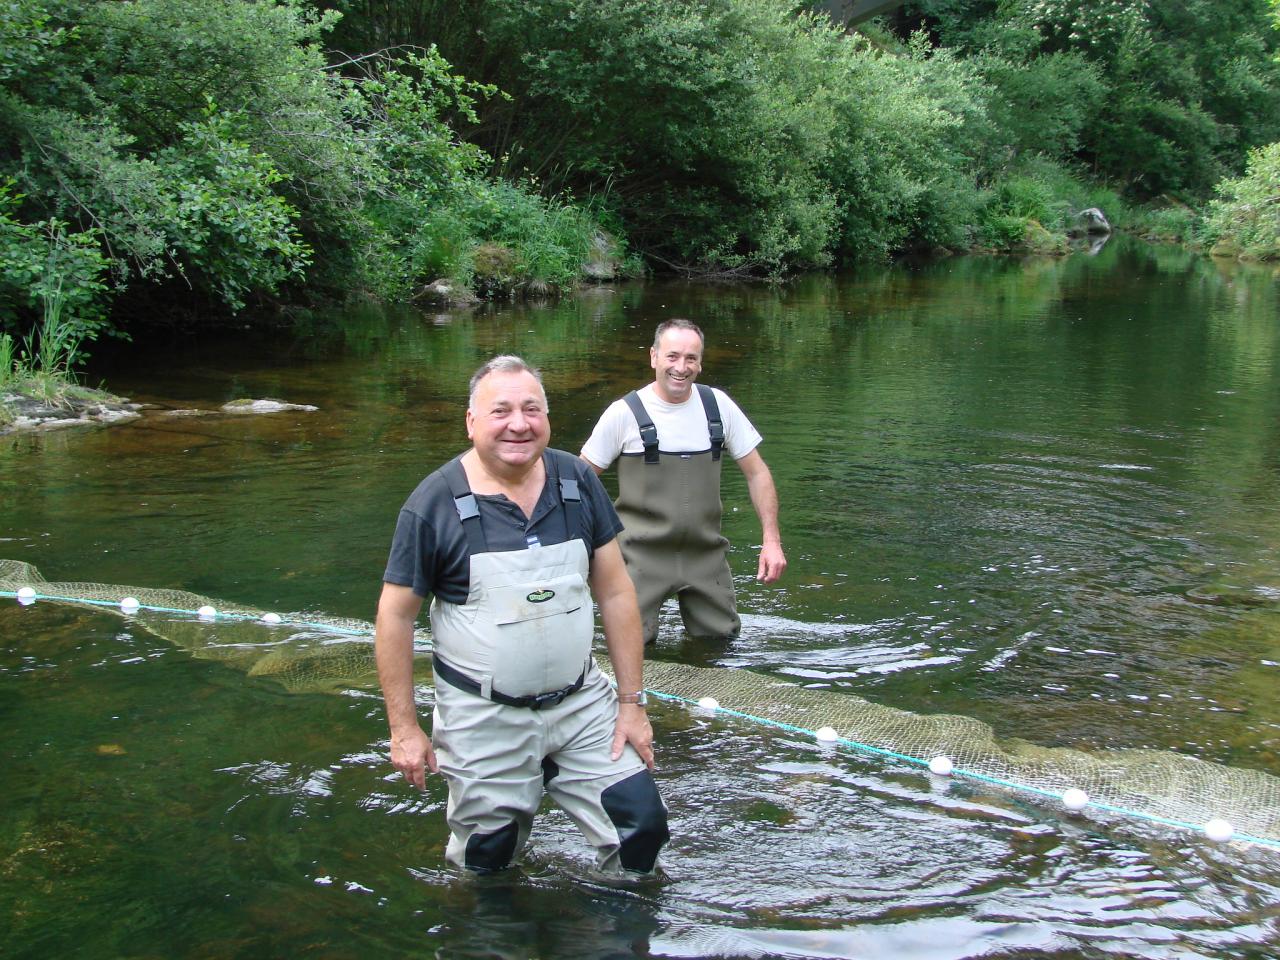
(512, 540)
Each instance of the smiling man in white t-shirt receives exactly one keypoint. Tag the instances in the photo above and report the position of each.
(668, 439)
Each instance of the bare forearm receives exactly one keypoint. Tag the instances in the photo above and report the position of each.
(393, 646)
(624, 639)
(616, 596)
(764, 497)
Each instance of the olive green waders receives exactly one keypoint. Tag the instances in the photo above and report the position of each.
(670, 507)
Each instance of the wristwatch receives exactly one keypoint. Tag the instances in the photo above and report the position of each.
(639, 699)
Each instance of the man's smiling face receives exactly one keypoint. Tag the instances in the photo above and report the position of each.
(508, 422)
(677, 361)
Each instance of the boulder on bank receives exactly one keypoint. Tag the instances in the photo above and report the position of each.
(603, 262)
(1089, 222)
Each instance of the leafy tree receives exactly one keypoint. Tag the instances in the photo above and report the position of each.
(208, 151)
(1180, 89)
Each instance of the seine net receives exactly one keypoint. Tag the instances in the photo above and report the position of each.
(320, 654)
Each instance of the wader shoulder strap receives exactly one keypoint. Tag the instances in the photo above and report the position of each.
(715, 426)
(648, 432)
(562, 466)
(464, 501)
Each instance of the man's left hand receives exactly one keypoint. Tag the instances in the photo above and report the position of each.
(772, 563)
(633, 728)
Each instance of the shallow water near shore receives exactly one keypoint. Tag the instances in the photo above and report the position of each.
(1039, 494)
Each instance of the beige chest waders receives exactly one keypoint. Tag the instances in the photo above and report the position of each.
(670, 505)
(521, 707)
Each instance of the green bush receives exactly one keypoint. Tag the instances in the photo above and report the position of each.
(1244, 219)
(708, 124)
(901, 164)
(1157, 96)
(42, 262)
(1176, 224)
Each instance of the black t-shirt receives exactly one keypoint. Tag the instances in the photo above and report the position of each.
(429, 551)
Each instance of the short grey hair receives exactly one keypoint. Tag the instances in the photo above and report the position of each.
(677, 323)
(505, 363)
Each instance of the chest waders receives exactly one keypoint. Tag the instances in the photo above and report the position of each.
(669, 502)
(521, 707)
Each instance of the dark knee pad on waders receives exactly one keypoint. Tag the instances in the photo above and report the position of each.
(637, 813)
(487, 852)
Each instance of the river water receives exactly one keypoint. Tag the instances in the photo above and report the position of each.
(1038, 494)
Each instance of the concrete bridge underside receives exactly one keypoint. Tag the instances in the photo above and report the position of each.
(853, 12)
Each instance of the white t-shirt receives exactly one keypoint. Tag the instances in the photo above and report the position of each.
(682, 428)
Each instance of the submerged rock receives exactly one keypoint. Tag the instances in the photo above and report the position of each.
(265, 406)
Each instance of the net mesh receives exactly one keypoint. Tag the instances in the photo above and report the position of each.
(309, 653)
(304, 653)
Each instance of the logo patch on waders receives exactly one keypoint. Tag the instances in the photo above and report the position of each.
(540, 596)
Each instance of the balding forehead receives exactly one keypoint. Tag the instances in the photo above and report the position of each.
(515, 387)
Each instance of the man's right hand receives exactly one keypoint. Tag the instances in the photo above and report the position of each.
(413, 755)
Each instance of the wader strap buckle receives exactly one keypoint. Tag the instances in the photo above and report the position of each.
(648, 432)
(464, 502)
(537, 701)
(570, 497)
(715, 426)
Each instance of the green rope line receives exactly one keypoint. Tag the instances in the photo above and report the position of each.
(217, 615)
(673, 698)
(957, 771)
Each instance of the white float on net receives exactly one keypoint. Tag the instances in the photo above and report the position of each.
(130, 604)
(942, 766)
(272, 618)
(709, 703)
(206, 612)
(26, 596)
(826, 735)
(1075, 799)
(1220, 831)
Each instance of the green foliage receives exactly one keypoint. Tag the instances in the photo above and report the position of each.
(499, 238)
(1158, 95)
(208, 149)
(1177, 224)
(212, 150)
(223, 218)
(41, 262)
(1244, 219)
(1042, 106)
(1013, 211)
(8, 361)
(50, 351)
(148, 125)
(902, 163)
(707, 122)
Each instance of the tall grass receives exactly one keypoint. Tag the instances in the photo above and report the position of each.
(44, 369)
(8, 361)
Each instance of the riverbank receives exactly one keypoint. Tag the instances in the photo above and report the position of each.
(35, 405)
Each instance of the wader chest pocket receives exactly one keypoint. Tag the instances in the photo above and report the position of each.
(538, 600)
